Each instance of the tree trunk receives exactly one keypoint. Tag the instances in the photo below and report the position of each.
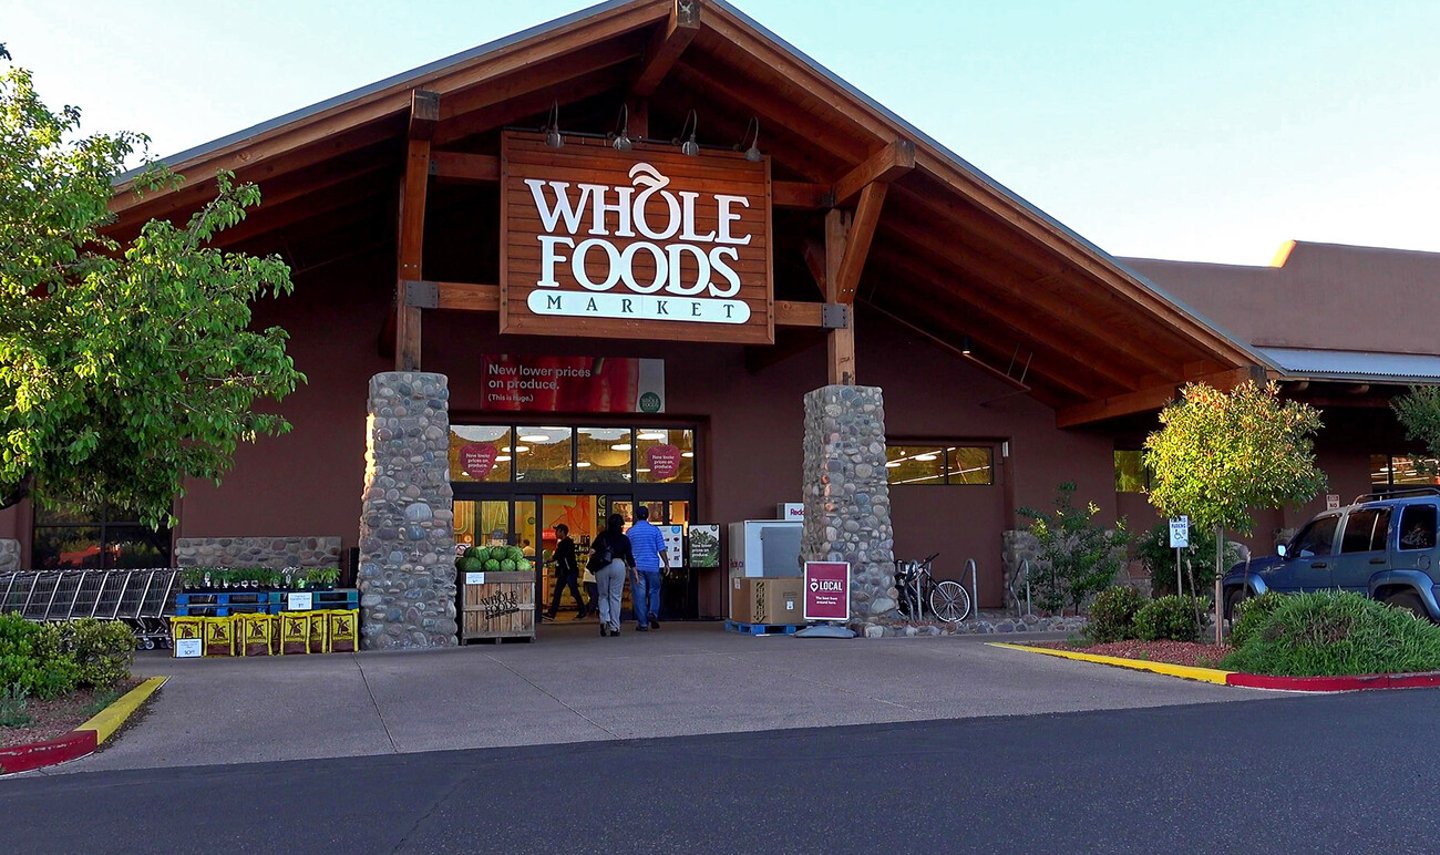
(21, 491)
(1219, 572)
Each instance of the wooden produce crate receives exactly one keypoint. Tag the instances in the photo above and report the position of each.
(503, 606)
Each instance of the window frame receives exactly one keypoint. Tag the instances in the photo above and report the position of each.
(946, 450)
(104, 524)
(630, 477)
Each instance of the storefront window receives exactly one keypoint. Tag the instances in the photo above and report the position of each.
(1130, 473)
(603, 455)
(67, 538)
(480, 453)
(665, 456)
(940, 464)
(542, 454)
(1393, 470)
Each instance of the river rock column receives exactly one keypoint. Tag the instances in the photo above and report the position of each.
(847, 497)
(407, 536)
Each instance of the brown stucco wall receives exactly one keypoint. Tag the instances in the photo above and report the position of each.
(1324, 296)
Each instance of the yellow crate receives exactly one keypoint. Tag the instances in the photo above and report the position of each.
(344, 628)
(295, 633)
(219, 636)
(319, 624)
(257, 634)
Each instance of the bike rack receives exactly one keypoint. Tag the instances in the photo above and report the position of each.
(1014, 595)
(974, 590)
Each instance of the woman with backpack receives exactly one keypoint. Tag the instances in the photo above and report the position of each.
(610, 559)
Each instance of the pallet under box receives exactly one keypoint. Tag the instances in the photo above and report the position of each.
(502, 606)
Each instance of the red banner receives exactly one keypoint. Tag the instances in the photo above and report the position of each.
(573, 384)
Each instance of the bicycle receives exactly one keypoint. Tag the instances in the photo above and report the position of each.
(948, 599)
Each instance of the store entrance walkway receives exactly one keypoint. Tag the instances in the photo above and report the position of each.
(572, 686)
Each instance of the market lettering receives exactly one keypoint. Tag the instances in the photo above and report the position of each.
(699, 309)
(686, 261)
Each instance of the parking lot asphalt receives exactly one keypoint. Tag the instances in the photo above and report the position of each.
(572, 686)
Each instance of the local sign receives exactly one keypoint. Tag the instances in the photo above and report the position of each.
(572, 384)
(645, 243)
(827, 590)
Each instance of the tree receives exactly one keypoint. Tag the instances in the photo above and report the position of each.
(1079, 557)
(1218, 455)
(1418, 410)
(124, 369)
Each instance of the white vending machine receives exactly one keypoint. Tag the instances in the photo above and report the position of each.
(765, 548)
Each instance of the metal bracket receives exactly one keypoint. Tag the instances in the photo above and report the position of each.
(834, 316)
(422, 295)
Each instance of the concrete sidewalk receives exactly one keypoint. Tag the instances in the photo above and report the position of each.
(573, 686)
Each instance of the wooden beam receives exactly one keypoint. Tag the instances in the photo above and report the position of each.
(799, 194)
(1146, 400)
(814, 253)
(424, 114)
(458, 166)
(469, 297)
(665, 48)
(882, 167)
(949, 345)
(793, 313)
(857, 242)
(840, 343)
(411, 245)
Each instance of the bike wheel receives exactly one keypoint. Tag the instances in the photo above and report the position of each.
(950, 601)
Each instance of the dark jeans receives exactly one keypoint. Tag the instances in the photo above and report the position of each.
(561, 582)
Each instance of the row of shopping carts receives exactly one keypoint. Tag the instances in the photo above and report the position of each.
(143, 599)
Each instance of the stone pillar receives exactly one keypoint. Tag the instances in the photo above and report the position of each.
(9, 555)
(847, 498)
(407, 535)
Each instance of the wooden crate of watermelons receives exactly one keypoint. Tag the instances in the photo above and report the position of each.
(498, 599)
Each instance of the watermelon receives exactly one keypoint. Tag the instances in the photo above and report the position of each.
(515, 553)
(470, 564)
(474, 552)
(508, 566)
(492, 565)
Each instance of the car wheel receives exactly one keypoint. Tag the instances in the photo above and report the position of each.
(1233, 599)
(1410, 602)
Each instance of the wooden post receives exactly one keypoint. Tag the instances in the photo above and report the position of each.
(840, 343)
(424, 115)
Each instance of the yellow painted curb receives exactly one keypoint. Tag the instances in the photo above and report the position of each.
(1188, 672)
(108, 720)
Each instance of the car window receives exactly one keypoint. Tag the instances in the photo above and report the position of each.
(1317, 538)
(1417, 527)
(1365, 530)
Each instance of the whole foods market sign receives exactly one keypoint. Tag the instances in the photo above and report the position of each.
(646, 243)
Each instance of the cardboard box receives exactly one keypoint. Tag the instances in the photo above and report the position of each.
(767, 600)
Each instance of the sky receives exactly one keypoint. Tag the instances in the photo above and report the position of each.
(1205, 131)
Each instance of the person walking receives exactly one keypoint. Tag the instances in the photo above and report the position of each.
(567, 573)
(648, 546)
(610, 556)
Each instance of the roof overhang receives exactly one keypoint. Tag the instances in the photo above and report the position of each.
(955, 253)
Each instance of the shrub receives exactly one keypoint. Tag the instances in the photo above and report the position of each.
(1112, 615)
(1153, 551)
(1077, 557)
(1332, 634)
(1251, 614)
(103, 650)
(13, 703)
(1169, 618)
(31, 659)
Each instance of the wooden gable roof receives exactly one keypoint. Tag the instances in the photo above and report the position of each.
(953, 253)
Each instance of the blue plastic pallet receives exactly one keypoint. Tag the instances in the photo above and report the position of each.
(212, 610)
(345, 598)
(227, 598)
(763, 628)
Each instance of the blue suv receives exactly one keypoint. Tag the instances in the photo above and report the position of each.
(1380, 546)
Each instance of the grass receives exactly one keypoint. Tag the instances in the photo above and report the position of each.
(1328, 634)
(103, 699)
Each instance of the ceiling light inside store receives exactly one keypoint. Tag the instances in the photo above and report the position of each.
(927, 457)
(658, 435)
(892, 464)
(502, 458)
(535, 437)
(521, 449)
(582, 464)
(620, 446)
(687, 454)
(642, 470)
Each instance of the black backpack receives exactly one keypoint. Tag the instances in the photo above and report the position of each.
(600, 555)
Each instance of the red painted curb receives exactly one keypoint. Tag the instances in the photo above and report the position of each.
(23, 758)
(1334, 684)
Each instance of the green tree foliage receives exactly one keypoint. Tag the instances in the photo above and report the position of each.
(1218, 455)
(1078, 557)
(124, 368)
(1197, 561)
(1419, 412)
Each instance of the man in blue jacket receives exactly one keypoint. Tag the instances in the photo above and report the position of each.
(648, 546)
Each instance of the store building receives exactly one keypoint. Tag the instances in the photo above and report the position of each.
(622, 318)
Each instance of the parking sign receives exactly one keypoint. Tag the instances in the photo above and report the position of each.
(1180, 533)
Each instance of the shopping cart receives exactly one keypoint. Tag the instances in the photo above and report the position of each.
(142, 599)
